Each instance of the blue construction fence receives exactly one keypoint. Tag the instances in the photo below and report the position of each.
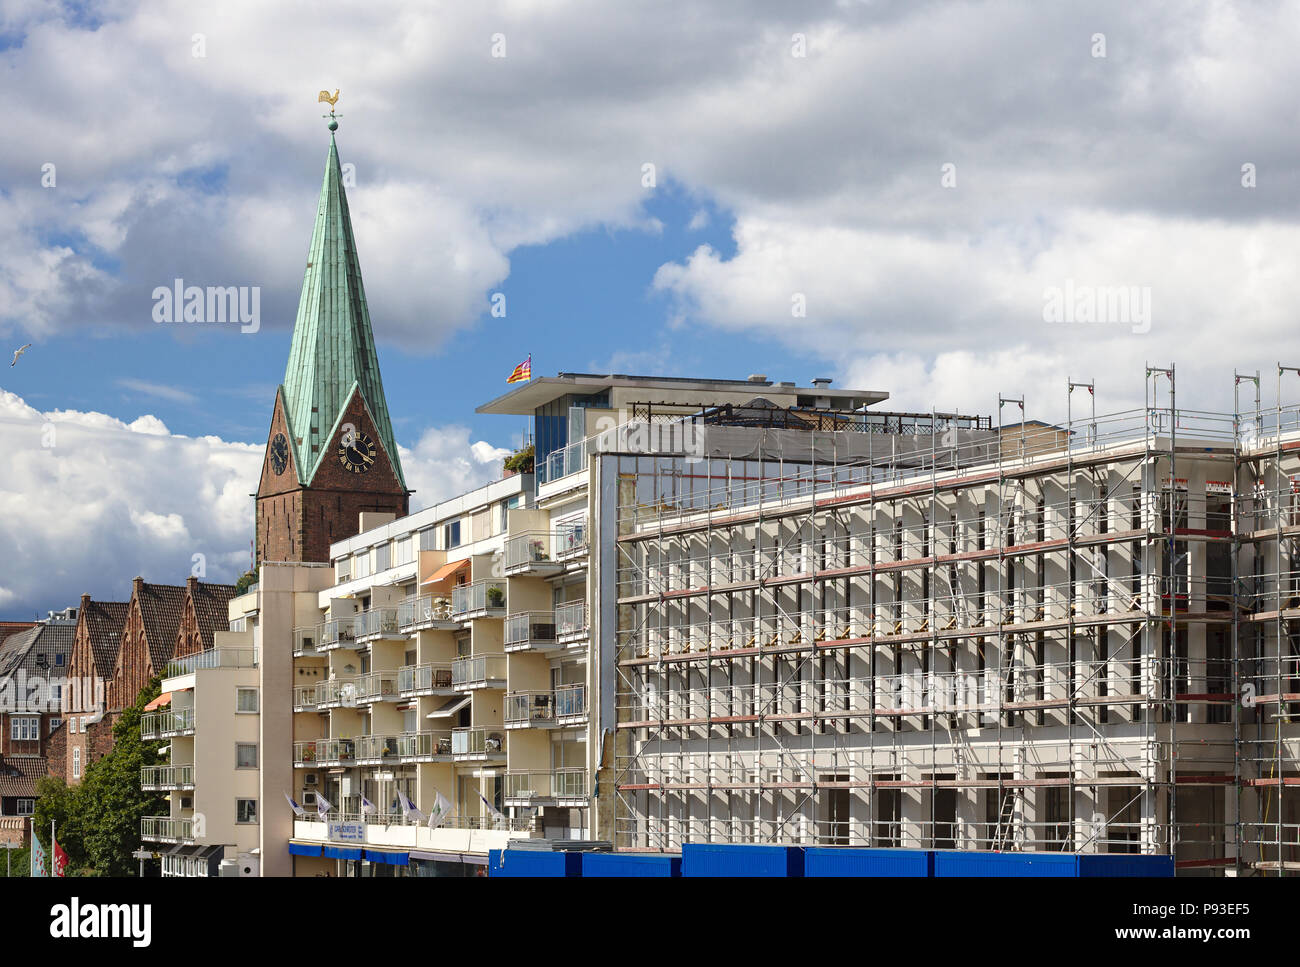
(706, 859)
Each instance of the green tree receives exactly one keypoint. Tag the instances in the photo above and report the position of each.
(98, 822)
(246, 580)
(19, 863)
(61, 804)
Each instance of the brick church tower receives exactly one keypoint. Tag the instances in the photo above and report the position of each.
(331, 453)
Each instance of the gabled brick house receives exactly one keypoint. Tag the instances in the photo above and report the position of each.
(153, 621)
(87, 733)
(205, 612)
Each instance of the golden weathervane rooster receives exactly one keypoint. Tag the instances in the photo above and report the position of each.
(325, 98)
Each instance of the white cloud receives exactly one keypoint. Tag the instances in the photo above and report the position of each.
(444, 463)
(88, 501)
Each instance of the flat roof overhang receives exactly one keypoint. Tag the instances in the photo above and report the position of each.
(525, 399)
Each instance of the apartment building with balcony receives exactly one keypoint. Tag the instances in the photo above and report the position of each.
(224, 708)
(401, 692)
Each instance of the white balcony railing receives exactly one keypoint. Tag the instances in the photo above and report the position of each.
(166, 777)
(164, 829)
(220, 657)
(570, 701)
(479, 671)
(556, 785)
(377, 687)
(424, 609)
(165, 723)
(478, 743)
(379, 622)
(424, 679)
(571, 619)
(530, 630)
(530, 709)
(478, 599)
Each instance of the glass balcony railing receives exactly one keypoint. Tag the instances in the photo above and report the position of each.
(530, 709)
(336, 751)
(377, 687)
(424, 679)
(522, 788)
(305, 698)
(423, 610)
(479, 671)
(307, 640)
(563, 463)
(570, 701)
(165, 723)
(530, 552)
(335, 692)
(376, 748)
(167, 777)
(343, 632)
(571, 619)
(222, 657)
(478, 599)
(418, 746)
(530, 629)
(478, 743)
(570, 539)
(378, 622)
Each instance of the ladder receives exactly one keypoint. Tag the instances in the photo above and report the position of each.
(1006, 820)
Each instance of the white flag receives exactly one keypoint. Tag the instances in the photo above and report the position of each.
(409, 811)
(441, 810)
(323, 806)
(498, 817)
(297, 810)
(366, 806)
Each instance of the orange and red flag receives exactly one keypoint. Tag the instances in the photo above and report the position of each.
(523, 372)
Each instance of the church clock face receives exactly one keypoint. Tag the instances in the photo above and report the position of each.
(279, 454)
(360, 456)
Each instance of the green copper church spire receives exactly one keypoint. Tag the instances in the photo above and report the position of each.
(333, 346)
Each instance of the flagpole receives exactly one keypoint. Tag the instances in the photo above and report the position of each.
(50, 864)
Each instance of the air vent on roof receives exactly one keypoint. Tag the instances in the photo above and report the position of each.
(757, 378)
(822, 381)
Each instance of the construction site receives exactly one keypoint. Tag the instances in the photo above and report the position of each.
(954, 632)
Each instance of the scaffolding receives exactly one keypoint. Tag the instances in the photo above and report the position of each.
(999, 636)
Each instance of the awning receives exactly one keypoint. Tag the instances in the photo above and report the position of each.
(384, 856)
(472, 858)
(342, 852)
(304, 849)
(164, 699)
(446, 571)
(449, 707)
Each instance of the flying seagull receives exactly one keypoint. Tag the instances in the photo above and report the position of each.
(19, 352)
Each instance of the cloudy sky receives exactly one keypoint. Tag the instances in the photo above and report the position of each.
(925, 179)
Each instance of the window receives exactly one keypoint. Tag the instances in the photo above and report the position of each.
(382, 552)
(76, 763)
(58, 660)
(54, 725)
(245, 700)
(245, 755)
(245, 811)
(24, 727)
(429, 539)
(25, 807)
(342, 569)
(451, 535)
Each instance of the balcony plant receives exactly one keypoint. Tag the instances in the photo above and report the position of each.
(496, 597)
(521, 461)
